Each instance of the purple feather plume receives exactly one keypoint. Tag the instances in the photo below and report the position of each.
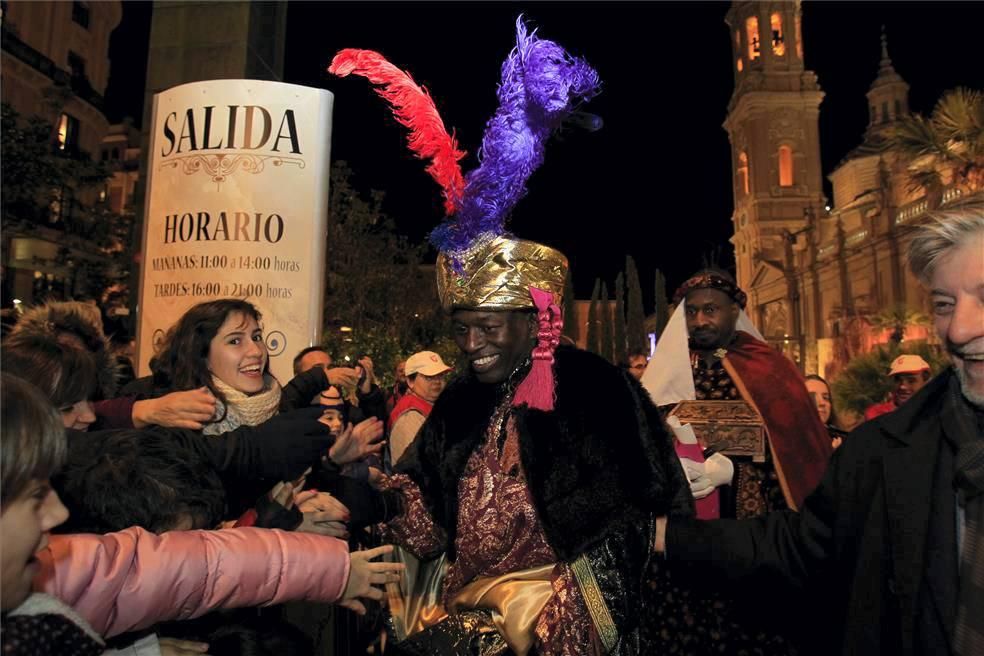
(541, 85)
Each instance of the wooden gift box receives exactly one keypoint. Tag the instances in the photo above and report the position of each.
(734, 425)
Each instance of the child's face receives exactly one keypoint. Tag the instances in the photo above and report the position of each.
(78, 416)
(24, 526)
(333, 419)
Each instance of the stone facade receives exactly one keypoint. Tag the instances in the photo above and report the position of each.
(65, 44)
(813, 272)
(55, 64)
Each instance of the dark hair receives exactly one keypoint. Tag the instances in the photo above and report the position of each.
(300, 356)
(833, 421)
(65, 373)
(32, 443)
(139, 478)
(627, 362)
(343, 407)
(74, 324)
(181, 362)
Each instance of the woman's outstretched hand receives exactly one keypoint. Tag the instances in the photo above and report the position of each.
(365, 576)
(356, 442)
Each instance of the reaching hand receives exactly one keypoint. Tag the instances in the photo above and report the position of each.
(189, 409)
(364, 575)
(366, 364)
(357, 442)
(377, 479)
(175, 647)
(323, 514)
(343, 377)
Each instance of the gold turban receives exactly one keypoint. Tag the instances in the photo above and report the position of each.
(497, 273)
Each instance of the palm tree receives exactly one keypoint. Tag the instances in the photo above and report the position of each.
(897, 318)
(865, 380)
(952, 138)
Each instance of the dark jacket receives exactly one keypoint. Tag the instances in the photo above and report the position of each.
(298, 394)
(248, 460)
(278, 449)
(877, 539)
(598, 467)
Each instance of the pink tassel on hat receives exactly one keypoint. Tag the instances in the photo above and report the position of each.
(537, 389)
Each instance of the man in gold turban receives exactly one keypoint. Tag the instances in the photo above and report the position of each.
(540, 489)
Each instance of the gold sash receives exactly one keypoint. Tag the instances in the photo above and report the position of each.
(515, 599)
(415, 602)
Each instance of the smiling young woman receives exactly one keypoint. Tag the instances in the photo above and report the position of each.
(219, 345)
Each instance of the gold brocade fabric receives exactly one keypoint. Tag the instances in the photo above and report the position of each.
(515, 599)
(497, 273)
(500, 537)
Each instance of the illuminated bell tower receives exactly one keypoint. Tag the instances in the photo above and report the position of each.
(775, 148)
(888, 98)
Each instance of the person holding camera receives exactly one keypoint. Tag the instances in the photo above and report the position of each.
(313, 369)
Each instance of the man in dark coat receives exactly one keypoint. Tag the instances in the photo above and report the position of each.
(893, 538)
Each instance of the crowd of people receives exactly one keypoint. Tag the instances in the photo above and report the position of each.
(540, 500)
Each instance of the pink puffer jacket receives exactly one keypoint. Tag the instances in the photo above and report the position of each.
(129, 580)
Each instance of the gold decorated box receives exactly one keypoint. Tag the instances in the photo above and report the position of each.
(732, 426)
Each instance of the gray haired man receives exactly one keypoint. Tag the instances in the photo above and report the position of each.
(892, 540)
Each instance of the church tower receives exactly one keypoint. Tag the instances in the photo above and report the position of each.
(888, 98)
(775, 153)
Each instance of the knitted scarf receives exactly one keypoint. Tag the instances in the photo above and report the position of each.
(44, 625)
(243, 409)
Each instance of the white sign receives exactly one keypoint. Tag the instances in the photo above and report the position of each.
(237, 206)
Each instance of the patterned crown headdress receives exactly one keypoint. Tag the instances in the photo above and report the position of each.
(480, 265)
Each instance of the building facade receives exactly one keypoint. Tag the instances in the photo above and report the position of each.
(55, 64)
(816, 272)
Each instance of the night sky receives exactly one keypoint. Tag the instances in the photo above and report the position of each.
(655, 182)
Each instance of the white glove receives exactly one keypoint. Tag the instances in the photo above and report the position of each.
(700, 484)
(705, 476)
(719, 469)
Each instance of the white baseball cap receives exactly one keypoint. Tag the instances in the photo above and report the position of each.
(908, 364)
(427, 363)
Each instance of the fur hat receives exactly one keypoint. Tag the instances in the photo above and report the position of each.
(77, 324)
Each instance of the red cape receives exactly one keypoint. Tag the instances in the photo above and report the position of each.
(771, 383)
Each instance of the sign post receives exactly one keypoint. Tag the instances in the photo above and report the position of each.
(237, 206)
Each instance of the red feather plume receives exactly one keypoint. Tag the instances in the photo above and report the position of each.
(414, 109)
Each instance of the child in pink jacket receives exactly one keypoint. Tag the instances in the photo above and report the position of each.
(88, 586)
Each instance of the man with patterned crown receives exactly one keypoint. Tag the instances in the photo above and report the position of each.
(540, 489)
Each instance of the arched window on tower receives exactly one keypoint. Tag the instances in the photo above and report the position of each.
(785, 166)
(743, 173)
(740, 65)
(778, 41)
(752, 33)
